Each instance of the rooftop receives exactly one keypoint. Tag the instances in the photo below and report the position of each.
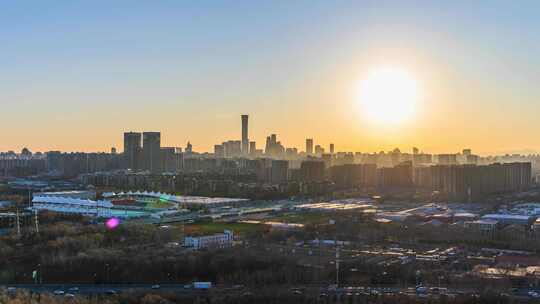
(506, 216)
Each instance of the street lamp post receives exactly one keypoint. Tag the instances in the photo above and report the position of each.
(108, 272)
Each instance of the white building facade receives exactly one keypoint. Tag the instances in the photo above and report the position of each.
(222, 240)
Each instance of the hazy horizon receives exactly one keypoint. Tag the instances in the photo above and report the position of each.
(76, 75)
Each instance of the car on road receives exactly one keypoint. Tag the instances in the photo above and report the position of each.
(202, 285)
(156, 286)
(534, 294)
(438, 290)
(73, 289)
(111, 292)
(69, 296)
(421, 290)
(59, 292)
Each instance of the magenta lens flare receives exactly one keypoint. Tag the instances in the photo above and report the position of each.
(112, 223)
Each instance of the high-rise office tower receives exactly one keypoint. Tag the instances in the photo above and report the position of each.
(132, 150)
(312, 171)
(309, 146)
(245, 139)
(232, 148)
(252, 148)
(219, 151)
(168, 159)
(331, 148)
(152, 151)
(279, 171)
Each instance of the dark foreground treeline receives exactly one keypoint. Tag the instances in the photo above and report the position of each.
(80, 253)
(72, 251)
(270, 296)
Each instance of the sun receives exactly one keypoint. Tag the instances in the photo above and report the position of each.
(388, 96)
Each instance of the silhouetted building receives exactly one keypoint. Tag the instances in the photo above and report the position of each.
(273, 147)
(399, 176)
(421, 159)
(447, 159)
(189, 148)
(263, 169)
(252, 148)
(471, 159)
(26, 153)
(245, 139)
(312, 171)
(291, 153)
(279, 171)
(331, 148)
(168, 159)
(354, 175)
(152, 151)
(219, 151)
(467, 182)
(232, 148)
(73, 164)
(132, 150)
(309, 146)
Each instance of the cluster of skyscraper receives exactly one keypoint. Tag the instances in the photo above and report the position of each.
(143, 151)
(460, 175)
(273, 148)
(237, 148)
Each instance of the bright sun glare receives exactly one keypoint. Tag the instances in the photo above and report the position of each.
(388, 95)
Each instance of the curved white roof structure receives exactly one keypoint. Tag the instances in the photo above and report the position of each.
(191, 200)
(100, 208)
(71, 201)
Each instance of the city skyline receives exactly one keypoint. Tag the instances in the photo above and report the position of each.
(74, 75)
(278, 151)
(308, 147)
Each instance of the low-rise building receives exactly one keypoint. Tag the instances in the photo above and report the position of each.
(222, 240)
(484, 225)
(536, 228)
(6, 204)
(509, 219)
(86, 195)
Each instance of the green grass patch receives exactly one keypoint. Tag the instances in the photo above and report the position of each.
(158, 204)
(304, 218)
(218, 227)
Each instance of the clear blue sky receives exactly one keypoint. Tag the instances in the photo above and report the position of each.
(75, 74)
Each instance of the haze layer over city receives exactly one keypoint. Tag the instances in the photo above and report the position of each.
(269, 152)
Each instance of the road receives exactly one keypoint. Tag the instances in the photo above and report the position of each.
(103, 288)
(89, 289)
